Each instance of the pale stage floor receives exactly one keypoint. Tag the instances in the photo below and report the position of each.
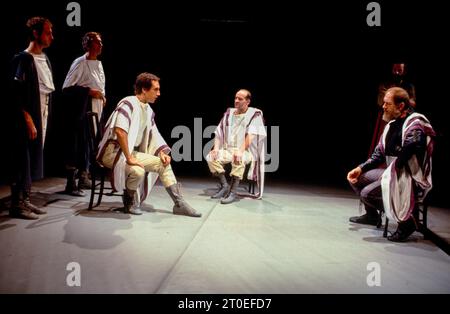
(297, 239)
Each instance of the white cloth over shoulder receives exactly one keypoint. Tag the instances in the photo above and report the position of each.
(87, 73)
(397, 184)
(45, 76)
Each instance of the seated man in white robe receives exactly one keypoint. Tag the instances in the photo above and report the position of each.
(136, 152)
(239, 140)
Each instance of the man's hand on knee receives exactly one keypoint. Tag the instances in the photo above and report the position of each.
(165, 158)
(214, 154)
(353, 175)
(134, 162)
(237, 157)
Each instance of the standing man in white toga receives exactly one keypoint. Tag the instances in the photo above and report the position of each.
(84, 90)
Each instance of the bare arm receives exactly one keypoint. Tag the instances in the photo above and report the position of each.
(237, 155)
(248, 140)
(31, 128)
(122, 138)
(215, 152)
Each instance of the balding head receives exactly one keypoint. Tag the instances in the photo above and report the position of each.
(242, 100)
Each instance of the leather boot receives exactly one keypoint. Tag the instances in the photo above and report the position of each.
(129, 202)
(371, 217)
(71, 185)
(404, 230)
(232, 194)
(181, 207)
(83, 180)
(27, 203)
(17, 209)
(224, 187)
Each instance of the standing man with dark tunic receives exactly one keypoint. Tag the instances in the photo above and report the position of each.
(32, 86)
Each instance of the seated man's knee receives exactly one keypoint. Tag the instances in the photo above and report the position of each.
(137, 171)
(371, 193)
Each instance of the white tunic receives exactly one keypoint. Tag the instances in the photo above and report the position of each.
(87, 73)
(46, 87)
(45, 76)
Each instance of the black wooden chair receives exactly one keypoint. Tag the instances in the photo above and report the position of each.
(251, 184)
(98, 171)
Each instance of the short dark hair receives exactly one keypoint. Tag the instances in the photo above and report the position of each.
(144, 81)
(36, 24)
(88, 38)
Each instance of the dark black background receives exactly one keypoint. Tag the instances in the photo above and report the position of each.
(313, 68)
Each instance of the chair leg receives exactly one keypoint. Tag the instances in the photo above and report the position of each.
(251, 187)
(424, 215)
(386, 226)
(102, 185)
(424, 220)
(91, 201)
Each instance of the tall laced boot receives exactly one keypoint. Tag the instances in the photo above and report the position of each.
(17, 209)
(27, 203)
(83, 180)
(71, 185)
(181, 207)
(129, 202)
(224, 187)
(232, 194)
(371, 217)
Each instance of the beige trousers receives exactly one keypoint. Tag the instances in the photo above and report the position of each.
(135, 174)
(226, 157)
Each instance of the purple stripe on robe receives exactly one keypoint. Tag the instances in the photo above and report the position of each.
(127, 103)
(391, 187)
(125, 114)
(225, 125)
(162, 147)
(256, 170)
(149, 135)
(257, 113)
(227, 114)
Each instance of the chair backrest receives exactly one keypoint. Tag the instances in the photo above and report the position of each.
(95, 134)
